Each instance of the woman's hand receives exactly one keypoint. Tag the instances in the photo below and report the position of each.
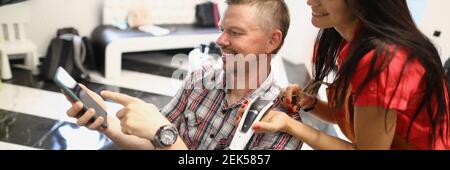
(294, 99)
(137, 118)
(274, 121)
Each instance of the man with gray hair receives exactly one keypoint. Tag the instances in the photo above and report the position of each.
(205, 112)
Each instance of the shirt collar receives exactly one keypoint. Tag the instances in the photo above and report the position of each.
(262, 91)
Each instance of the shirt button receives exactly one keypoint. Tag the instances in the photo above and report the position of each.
(211, 136)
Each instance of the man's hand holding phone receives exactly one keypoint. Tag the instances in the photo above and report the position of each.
(137, 118)
(82, 99)
(85, 119)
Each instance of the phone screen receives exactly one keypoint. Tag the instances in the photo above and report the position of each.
(67, 84)
(71, 89)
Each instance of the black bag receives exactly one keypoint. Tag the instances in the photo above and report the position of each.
(206, 14)
(67, 50)
(90, 56)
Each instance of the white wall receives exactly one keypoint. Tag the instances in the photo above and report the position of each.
(436, 18)
(50, 15)
(417, 8)
(46, 16)
(299, 43)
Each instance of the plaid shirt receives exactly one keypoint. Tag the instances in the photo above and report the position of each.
(207, 122)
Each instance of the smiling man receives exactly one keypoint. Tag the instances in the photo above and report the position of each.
(205, 112)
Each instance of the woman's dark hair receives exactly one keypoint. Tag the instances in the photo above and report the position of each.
(383, 24)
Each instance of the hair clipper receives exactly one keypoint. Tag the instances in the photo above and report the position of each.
(256, 109)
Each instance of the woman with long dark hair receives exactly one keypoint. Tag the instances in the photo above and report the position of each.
(389, 90)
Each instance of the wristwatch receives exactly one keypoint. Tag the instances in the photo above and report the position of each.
(165, 136)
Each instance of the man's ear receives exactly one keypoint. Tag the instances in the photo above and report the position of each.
(274, 41)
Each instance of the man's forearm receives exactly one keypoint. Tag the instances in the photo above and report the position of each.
(131, 142)
(179, 145)
(135, 143)
(124, 141)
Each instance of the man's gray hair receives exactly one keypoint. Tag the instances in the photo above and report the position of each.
(274, 13)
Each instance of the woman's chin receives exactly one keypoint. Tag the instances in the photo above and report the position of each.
(319, 24)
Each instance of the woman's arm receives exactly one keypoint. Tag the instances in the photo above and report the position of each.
(324, 112)
(373, 130)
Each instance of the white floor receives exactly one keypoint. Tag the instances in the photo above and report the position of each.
(40, 103)
(11, 146)
(142, 82)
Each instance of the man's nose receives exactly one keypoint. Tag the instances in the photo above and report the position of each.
(223, 41)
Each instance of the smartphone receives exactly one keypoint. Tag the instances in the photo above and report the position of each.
(72, 90)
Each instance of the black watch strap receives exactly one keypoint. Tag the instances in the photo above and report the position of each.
(156, 143)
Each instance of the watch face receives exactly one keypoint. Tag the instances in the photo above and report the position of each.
(168, 137)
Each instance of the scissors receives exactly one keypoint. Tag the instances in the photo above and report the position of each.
(311, 90)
